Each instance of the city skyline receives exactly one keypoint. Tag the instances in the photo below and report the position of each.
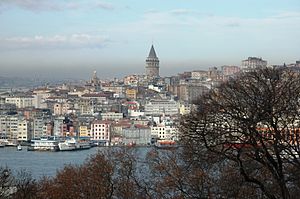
(73, 38)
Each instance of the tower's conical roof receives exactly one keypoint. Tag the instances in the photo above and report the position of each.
(152, 53)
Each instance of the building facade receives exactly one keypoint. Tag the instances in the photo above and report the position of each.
(20, 102)
(111, 116)
(136, 134)
(164, 132)
(161, 107)
(252, 63)
(9, 127)
(100, 130)
(24, 130)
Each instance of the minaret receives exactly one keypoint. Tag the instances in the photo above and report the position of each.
(152, 64)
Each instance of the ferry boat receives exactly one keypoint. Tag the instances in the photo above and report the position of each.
(166, 144)
(2, 144)
(71, 144)
(83, 145)
(44, 144)
(67, 145)
(9, 143)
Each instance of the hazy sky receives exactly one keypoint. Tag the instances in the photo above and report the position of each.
(60, 38)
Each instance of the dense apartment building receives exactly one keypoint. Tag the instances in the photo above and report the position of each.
(24, 130)
(84, 131)
(199, 74)
(161, 107)
(61, 108)
(111, 116)
(252, 63)
(131, 93)
(42, 127)
(164, 132)
(101, 130)
(9, 126)
(230, 70)
(136, 134)
(20, 102)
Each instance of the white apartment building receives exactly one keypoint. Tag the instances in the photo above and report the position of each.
(161, 107)
(15, 128)
(252, 63)
(111, 116)
(40, 96)
(61, 108)
(20, 102)
(164, 132)
(199, 74)
(9, 127)
(101, 130)
(58, 126)
(40, 127)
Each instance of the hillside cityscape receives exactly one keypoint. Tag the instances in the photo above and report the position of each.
(135, 110)
(133, 99)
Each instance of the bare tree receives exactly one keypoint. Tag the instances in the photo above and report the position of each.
(175, 178)
(6, 183)
(25, 186)
(90, 180)
(253, 122)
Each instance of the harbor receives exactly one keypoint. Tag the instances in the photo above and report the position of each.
(41, 164)
(47, 163)
(51, 144)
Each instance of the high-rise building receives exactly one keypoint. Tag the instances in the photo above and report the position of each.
(152, 64)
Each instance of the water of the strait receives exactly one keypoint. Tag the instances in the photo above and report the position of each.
(41, 164)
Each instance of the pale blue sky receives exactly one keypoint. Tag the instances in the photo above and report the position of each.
(60, 38)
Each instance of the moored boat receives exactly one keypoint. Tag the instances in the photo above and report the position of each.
(44, 144)
(9, 143)
(166, 144)
(2, 144)
(67, 145)
(19, 147)
(83, 145)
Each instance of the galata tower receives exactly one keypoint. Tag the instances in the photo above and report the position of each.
(152, 64)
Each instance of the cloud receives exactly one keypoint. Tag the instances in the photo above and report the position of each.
(52, 5)
(180, 11)
(37, 42)
(104, 5)
(32, 5)
(285, 15)
(194, 19)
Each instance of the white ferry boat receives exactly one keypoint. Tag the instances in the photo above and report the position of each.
(67, 145)
(9, 143)
(44, 144)
(83, 145)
